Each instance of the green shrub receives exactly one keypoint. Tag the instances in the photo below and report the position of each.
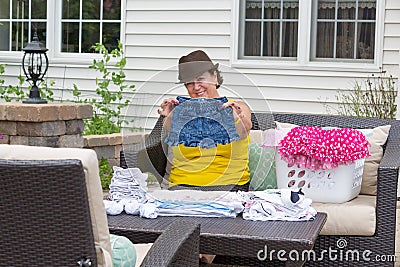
(15, 92)
(375, 97)
(107, 107)
(106, 174)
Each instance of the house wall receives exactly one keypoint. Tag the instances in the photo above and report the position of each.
(158, 32)
(391, 41)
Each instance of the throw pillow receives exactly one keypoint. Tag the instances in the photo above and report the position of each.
(377, 139)
(123, 251)
(262, 167)
(371, 164)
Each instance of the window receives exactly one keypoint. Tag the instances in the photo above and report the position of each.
(18, 19)
(82, 23)
(85, 23)
(337, 30)
(344, 29)
(270, 28)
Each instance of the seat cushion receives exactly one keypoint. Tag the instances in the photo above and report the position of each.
(355, 217)
(90, 165)
(141, 251)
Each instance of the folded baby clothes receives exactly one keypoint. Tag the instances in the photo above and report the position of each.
(192, 203)
(278, 204)
(128, 184)
(113, 207)
(202, 122)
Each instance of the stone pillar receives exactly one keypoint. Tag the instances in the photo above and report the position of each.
(51, 125)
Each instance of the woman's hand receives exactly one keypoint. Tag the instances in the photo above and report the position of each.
(242, 117)
(167, 106)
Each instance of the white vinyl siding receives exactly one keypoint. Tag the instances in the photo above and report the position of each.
(391, 43)
(154, 43)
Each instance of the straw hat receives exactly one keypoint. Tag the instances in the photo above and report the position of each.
(194, 64)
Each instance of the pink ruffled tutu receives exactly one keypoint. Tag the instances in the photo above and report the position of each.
(318, 149)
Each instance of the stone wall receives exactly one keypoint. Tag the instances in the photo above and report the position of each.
(59, 125)
(52, 125)
(109, 146)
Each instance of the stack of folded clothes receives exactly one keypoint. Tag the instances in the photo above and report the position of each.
(277, 204)
(192, 203)
(128, 189)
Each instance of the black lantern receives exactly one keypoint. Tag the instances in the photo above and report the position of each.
(35, 64)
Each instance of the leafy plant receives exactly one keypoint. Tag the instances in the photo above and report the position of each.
(45, 90)
(109, 104)
(375, 97)
(106, 174)
(16, 92)
(12, 92)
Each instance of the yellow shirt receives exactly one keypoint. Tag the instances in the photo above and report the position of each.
(223, 165)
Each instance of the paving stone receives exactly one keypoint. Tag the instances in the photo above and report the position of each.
(48, 128)
(84, 111)
(96, 140)
(74, 126)
(8, 127)
(75, 140)
(4, 139)
(51, 141)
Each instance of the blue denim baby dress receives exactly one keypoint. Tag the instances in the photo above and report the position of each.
(202, 122)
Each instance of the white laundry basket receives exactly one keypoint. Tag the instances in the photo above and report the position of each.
(336, 185)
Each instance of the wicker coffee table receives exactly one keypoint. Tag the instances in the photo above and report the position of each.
(237, 241)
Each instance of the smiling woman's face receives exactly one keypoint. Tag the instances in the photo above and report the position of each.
(204, 86)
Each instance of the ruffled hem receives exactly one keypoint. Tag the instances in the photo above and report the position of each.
(316, 149)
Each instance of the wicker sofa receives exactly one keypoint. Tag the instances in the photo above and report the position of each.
(53, 213)
(150, 156)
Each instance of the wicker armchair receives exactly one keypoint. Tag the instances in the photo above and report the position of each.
(150, 156)
(47, 218)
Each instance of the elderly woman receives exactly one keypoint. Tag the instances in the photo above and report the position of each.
(224, 166)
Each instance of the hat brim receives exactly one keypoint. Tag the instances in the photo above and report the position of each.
(197, 73)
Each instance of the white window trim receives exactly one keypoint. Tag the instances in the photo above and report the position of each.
(303, 61)
(53, 42)
(77, 58)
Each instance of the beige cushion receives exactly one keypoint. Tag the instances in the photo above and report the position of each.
(371, 164)
(141, 252)
(90, 164)
(370, 174)
(256, 136)
(355, 217)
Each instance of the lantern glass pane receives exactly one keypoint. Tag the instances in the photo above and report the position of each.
(35, 65)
